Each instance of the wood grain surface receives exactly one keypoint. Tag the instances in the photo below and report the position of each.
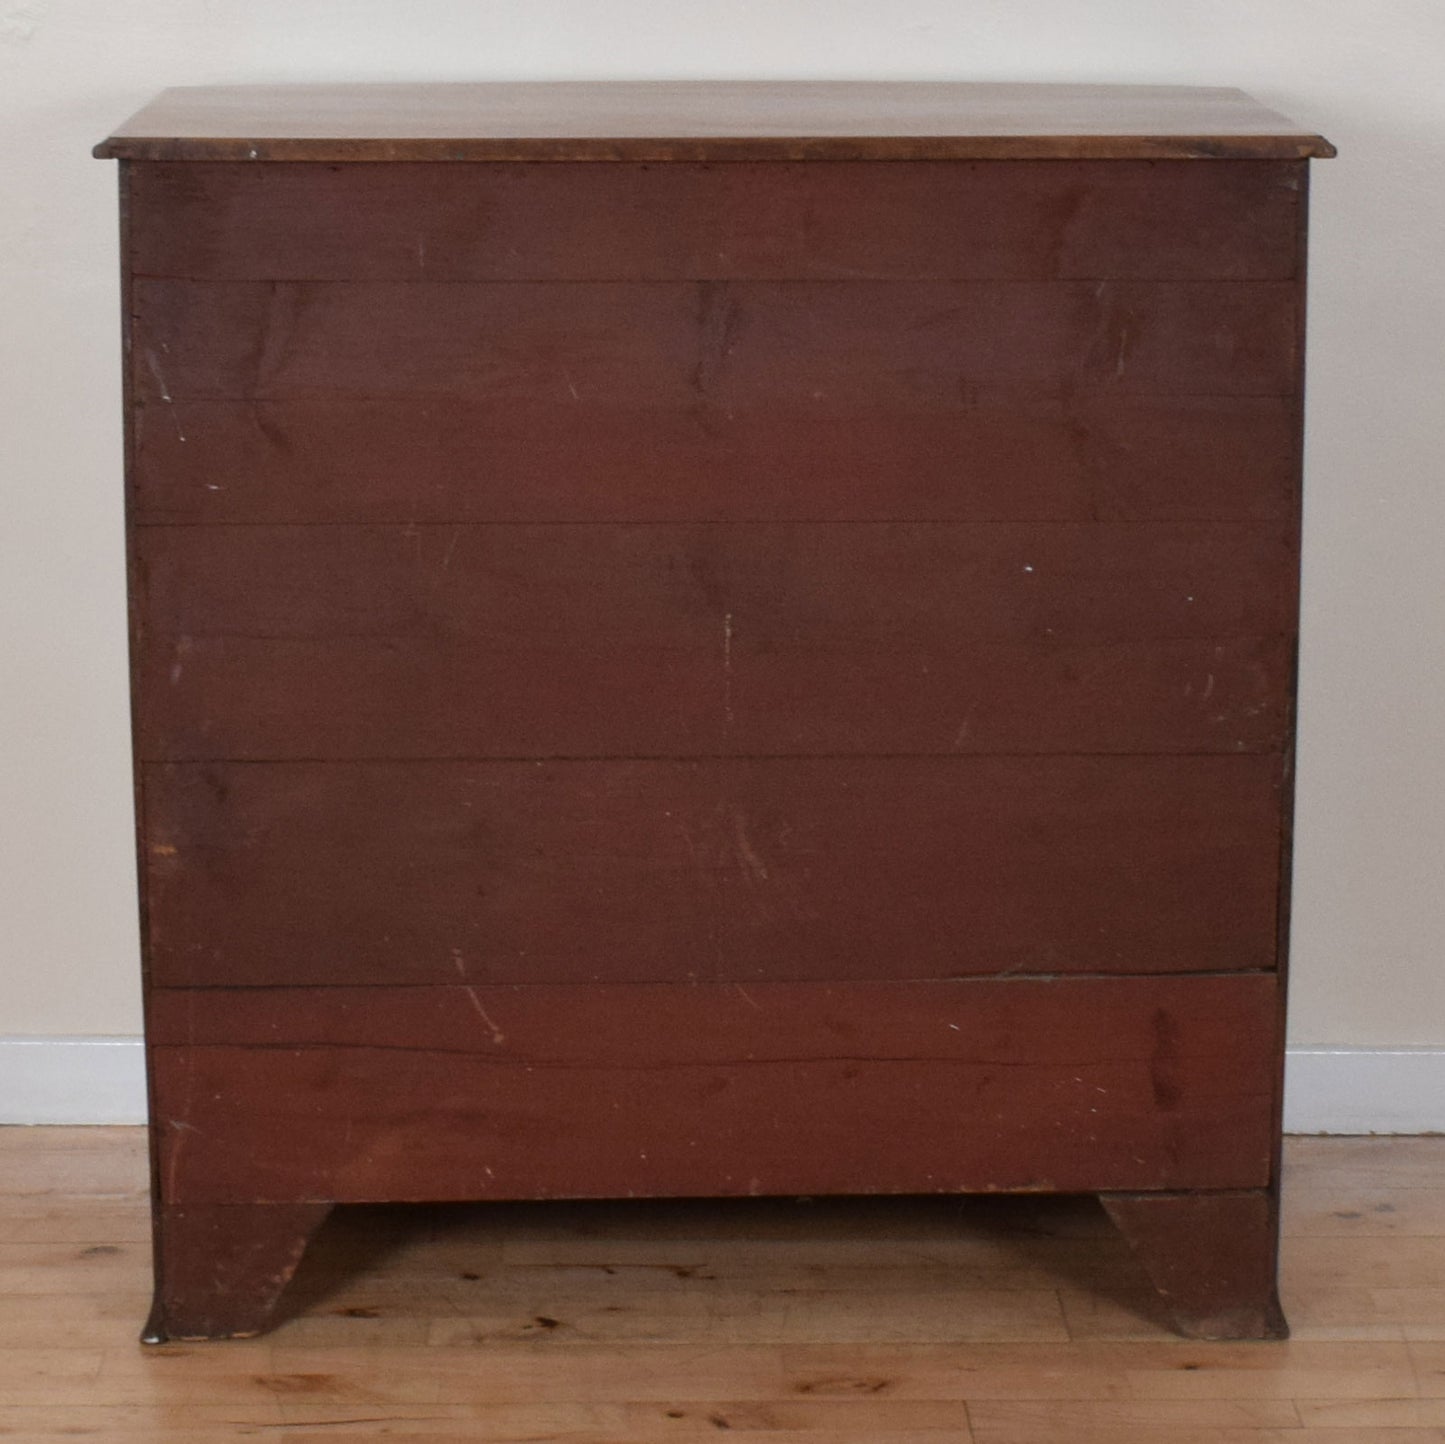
(843, 868)
(267, 643)
(916, 1320)
(905, 393)
(728, 345)
(486, 1092)
(1036, 220)
(706, 120)
(484, 458)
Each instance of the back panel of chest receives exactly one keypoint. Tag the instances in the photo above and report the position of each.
(713, 678)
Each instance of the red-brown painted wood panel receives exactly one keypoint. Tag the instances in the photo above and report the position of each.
(450, 222)
(537, 641)
(487, 1092)
(714, 345)
(478, 458)
(743, 870)
(710, 679)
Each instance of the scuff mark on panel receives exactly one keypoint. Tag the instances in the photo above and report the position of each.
(154, 364)
(717, 323)
(498, 1036)
(184, 647)
(753, 865)
(1115, 332)
(1059, 224)
(277, 327)
(180, 1127)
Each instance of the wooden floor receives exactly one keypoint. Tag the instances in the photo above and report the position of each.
(891, 1321)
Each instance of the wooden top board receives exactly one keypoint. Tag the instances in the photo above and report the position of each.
(705, 121)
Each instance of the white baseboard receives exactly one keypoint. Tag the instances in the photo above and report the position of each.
(72, 1080)
(1327, 1090)
(1364, 1090)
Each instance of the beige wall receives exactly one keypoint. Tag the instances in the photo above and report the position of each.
(1370, 894)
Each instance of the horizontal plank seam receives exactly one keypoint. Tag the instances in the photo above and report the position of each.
(535, 643)
(1081, 523)
(1086, 392)
(1283, 279)
(1189, 1193)
(730, 1060)
(1286, 283)
(732, 986)
(682, 757)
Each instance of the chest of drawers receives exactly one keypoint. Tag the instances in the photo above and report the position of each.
(712, 640)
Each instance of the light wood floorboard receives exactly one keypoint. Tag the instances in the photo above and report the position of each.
(856, 1321)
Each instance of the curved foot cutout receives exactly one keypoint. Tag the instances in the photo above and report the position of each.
(221, 1268)
(1212, 1256)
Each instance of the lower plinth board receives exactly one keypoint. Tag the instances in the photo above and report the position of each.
(287, 1095)
(273, 1103)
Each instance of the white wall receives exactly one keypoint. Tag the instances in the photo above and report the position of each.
(1370, 880)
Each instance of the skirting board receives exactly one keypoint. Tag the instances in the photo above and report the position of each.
(1327, 1090)
(1364, 1090)
(72, 1080)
